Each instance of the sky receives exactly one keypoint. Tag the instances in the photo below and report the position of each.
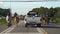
(25, 7)
(29, 0)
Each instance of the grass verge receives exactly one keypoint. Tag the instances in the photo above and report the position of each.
(2, 22)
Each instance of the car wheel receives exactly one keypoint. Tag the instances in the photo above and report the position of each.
(26, 25)
(39, 25)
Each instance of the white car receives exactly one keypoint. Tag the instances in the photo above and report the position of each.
(33, 19)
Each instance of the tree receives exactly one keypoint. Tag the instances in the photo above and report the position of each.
(15, 14)
(4, 12)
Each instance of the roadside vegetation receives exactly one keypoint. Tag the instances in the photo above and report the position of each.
(3, 13)
(2, 22)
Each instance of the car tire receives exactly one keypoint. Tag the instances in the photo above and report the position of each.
(26, 25)
(39, 25)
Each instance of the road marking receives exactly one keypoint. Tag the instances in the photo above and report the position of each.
(8, 30)
(44, 31)
(39, 30)
(22, 33)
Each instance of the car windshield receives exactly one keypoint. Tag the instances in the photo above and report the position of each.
(32, 14)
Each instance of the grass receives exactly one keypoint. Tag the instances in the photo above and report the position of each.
(2, 22)
(57, 19)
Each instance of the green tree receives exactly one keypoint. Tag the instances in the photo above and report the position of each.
(15, 14)
(4, 12)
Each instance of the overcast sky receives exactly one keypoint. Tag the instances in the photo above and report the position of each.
(24, 7)
(29, 0)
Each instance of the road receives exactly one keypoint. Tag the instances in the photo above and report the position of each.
(2, 28)
(52, 28)
(21, 29)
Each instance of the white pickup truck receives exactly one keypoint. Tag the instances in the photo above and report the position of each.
(32, 19)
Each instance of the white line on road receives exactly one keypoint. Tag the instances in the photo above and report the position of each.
(22, 33)
(8, 30)
(39, 30)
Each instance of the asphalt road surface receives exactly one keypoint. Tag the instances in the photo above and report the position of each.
(52, 28)
(2, 28)
(21, 29)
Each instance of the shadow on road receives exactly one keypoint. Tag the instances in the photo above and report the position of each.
(46, 26)
(50, 27)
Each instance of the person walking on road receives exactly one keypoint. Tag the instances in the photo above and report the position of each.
(43, 20)
(16, 20)
(8, 20)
